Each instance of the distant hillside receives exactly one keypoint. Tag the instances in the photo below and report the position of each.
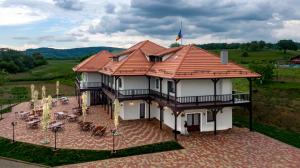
(70, 53)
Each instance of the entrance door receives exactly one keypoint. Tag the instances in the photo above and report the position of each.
(193, 122)
(142, 110)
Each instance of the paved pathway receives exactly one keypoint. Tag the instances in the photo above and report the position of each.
(4, 163)
(235, 148)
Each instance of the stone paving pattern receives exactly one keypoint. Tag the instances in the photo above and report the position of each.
(132, 133)
(235, 148)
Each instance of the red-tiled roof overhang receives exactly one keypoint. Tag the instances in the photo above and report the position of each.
(93, 63)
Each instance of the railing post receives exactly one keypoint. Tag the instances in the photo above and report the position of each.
(160, 86)
(250, 105)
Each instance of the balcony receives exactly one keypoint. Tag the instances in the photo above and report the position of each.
(184, 102)
(88, 85)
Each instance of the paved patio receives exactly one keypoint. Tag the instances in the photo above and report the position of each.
(132, 133)
(235, 148)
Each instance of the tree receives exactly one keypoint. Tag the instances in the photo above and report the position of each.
(245, 54)
(174, 45)
(266, 70)
(3, 77)
(287, 45)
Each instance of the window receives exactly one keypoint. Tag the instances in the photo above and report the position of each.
(115, 59)
(157, 83)
(155, 59)
(210, 116)
(120, 82)
(171, 87)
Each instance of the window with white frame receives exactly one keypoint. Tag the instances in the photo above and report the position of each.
(209, 116)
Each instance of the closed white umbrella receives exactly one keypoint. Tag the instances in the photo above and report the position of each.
(46, 119)
(35, 98)
(43, 94)
(117, 109)
(84, 105)
(57, 89)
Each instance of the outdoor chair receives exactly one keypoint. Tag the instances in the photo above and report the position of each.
(99, 131)
(86, 126)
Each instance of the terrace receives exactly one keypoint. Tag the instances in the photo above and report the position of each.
(131, 133)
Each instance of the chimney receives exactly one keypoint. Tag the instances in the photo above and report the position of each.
(224, 56)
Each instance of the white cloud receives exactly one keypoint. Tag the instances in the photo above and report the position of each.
(19, 47)
(19, 15)
(289, 30)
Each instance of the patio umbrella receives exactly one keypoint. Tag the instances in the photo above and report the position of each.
(57, 89)
(49, 100)
(32, 92)
(35, 98)
(43, 94)
(117, 109)
(45, 119)
(84, 105)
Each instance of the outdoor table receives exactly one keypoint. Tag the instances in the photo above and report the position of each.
(24, 115)
(60, 115)
(72, 117)
(55, 125)
(32, 123)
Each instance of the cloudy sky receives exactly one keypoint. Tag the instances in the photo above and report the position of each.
(121, 23)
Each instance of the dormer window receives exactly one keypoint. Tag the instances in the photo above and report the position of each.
(115, 59)
(155, 59)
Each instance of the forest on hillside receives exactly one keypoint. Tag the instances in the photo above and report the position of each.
(13, 61)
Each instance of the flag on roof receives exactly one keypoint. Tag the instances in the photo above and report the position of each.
(179, 36)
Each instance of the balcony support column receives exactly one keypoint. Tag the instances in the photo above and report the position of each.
(215, 109)
(250, 105)
(160, 116)
(160, 86)
(116, 89)
(176, 114)
(149, 100)
(111, 110)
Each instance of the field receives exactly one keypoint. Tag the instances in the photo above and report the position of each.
(18, 87)
(258, 56)
(276, 103)
(56, 69)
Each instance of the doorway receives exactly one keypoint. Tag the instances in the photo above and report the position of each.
(193, 122)
(142, 110)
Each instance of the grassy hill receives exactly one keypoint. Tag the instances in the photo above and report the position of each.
(71, 53)
(258, 56)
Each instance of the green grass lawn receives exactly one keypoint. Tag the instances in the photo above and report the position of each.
(288, 137)
(56, 69)
(46, 156)
(257, 56)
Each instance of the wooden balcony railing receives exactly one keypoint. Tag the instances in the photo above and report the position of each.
(87, 85)
(236, 98)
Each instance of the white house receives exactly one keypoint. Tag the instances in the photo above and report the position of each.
(185, 88)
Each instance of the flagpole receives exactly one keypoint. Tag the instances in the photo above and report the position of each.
(181, 32)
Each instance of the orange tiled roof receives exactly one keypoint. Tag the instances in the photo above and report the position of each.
(93, 63)
(167, 51)
(135, 61)
(180, 63)
(193, 62)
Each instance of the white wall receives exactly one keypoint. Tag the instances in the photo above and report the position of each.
(224, 119)
(93, 77)
(134, 82)
(199, 87)
(130, 110)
